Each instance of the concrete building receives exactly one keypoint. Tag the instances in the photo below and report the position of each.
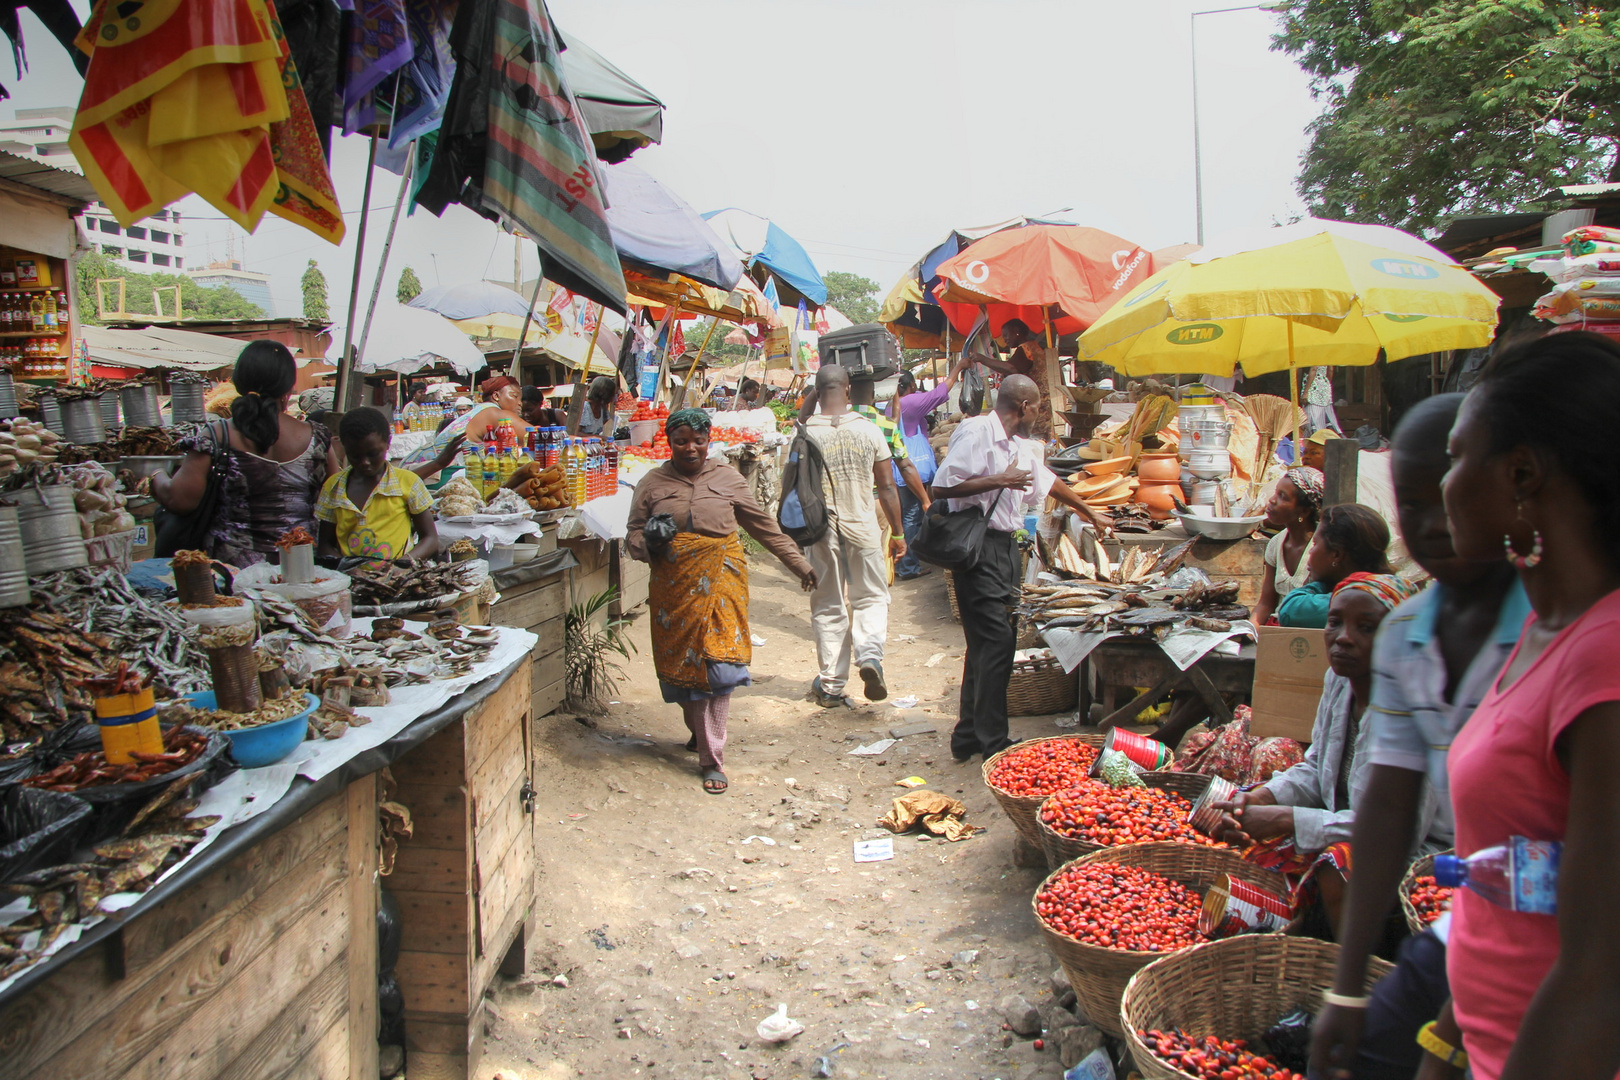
(253, 287)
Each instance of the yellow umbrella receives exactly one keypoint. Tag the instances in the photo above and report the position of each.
(500, 324)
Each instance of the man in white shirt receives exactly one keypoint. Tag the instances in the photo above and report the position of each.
(993, 464)
(849, 607)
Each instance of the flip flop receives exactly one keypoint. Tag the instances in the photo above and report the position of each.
(691, 745)
(714, 782)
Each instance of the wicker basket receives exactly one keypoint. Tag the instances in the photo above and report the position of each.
(1235, 988)
(1060, 849)
(1423, 867)
(1021, 809)
(1099, 975)
(1040, 687)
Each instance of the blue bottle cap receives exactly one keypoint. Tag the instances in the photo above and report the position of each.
(1449, 871)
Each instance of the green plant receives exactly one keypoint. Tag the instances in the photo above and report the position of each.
(589, 643)
(313, 284)
(410, 286)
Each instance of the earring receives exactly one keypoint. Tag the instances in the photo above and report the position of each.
(1523, 562)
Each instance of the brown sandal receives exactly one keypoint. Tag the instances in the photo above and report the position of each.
(714, 782)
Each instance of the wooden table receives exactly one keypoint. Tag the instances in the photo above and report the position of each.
(1242, 561)
(1125, 663)
(258, 960)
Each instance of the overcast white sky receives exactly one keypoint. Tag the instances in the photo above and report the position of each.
(868, 128)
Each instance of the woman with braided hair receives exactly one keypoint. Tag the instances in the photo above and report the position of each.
(1293, 511)
(683, 522)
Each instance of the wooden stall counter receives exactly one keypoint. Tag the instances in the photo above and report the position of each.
(1242, 561)
(258, 959)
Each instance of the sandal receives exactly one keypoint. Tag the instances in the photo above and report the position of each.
(714, 782)
(691, 745)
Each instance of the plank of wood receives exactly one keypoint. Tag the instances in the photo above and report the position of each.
(298, 1031)
(433, 982)
(547, 698)
(362, 913)
(435, 921)
(548, 669)
(59, 1015)
(487, 724)
(439, 760)
(147, 940)
(503, 820)
(431, 870)
(494, 775)
(438, 816)
(541, 605)
(500, 940)
(327, 1060)
(426, 1065)
(433, 1033)
(191, 1029)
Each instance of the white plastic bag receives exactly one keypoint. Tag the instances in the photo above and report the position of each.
(779, 1027)
(326, 600)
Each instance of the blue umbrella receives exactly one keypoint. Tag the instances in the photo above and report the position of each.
(473, 300)
(654, 229)
(760, 242)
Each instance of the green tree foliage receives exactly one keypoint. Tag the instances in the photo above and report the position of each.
(410, 286)
(856, 296)
(1462, 106)
(721, 353)
(196, 301)
(314, 285)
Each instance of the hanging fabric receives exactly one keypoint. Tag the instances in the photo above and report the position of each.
(305, 195)
(424, 81)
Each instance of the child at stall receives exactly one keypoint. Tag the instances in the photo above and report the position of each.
(371, 508)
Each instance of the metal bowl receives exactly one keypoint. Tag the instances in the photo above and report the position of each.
(144, 466)
(1218, 528)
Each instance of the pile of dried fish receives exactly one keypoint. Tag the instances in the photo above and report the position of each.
(271, 712)
(1136, 601)
(44, 659)
(1137, 566)
(151, 636)
(146, 442)
(92, 769)
(385, 583)
(404, 657)
(157, 838)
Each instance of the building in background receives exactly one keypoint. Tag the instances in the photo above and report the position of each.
(253, 287)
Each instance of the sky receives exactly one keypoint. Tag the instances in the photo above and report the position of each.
(867, 129)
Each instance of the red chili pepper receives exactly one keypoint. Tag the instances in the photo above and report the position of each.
(1430, 898)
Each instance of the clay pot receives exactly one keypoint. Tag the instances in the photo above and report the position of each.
(1158, 467)
(1158, 496)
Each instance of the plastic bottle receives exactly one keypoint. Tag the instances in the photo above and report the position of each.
(580, 476)
(565, 452)
(1521, 875)
(612, 468)
(36, 312)
(48, 305)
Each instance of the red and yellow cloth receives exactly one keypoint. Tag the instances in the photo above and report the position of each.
(199, 96)
(698, 597)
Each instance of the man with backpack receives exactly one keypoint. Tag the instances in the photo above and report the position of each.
(842, 536)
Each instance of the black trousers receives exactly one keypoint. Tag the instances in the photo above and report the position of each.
(1403, 1001)
(983, 595)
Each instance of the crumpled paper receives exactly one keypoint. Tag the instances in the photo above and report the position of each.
(938, 814)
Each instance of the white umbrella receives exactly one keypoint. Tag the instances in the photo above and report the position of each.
(406, 340)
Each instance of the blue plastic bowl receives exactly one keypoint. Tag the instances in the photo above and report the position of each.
(268, 743)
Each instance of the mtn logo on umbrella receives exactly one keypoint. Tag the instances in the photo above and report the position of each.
(1405, 318)
(1196, 334)
(1403, 268)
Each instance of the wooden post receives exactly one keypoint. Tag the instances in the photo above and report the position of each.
(388, 246)
(582, 378)
(528, 317)
(1339, 469)
(1293, 389)
(346, 398)
(696, 360)
(661, 391)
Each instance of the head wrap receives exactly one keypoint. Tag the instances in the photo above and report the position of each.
(1387, 589)
(489, 386)
(1311, 483)
(696, 419)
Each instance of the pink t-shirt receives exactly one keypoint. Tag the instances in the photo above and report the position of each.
(1506, 781)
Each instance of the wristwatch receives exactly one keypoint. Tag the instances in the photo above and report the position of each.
(1455, 1056)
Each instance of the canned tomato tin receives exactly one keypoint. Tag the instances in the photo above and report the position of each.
(1233, 906)
(1144, 754)
(1204, 816)
(128, 722)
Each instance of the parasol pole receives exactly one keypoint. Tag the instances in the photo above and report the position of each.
(736, 398)
(1053, 364)
(714, 323)
(576, 404)
(388, 246)
(345, 373)
(662, 389)
(1293, 390)
(528, 316)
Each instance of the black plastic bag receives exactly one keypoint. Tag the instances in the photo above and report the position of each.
(660, 532)
(389, 930)
(1289, 1040)
(971, 396)
(38, 828)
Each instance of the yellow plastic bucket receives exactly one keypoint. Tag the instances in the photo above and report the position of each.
(128, 724)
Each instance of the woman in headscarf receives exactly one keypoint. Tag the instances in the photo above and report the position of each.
(503, 400)
(1299, 821)
(1293, 511)
(274, 464)
(683, 521)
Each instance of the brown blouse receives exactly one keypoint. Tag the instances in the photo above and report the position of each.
(712, 503)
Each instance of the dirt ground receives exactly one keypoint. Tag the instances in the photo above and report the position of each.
(676, 934)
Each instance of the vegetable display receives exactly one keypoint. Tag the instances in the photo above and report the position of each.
(1212, 1058)
(1094, 812)
(1043, 768)
(1430, 898)
(1121, 907)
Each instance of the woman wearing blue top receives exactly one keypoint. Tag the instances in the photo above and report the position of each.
(1349, 539)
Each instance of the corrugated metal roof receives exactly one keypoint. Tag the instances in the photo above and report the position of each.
(47, 178)
(1581, 191)
(161, 347)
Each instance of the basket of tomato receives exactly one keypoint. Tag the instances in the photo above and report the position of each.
(1202, 1013)
(1091, 815)
(1108, 914)
(1423, 899)
(1023, 775)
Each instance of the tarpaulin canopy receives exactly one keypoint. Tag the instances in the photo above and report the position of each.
(161, 347)
(654, 229)
(622, 115)
(471, 300)
(406, 340)
(745, 303)
(760, 242)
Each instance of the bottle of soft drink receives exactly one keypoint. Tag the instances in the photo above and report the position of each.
(612, 468)
(1520, 875)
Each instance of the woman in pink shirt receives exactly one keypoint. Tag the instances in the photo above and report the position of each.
(1538, 996)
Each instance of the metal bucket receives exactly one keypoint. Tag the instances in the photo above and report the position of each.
(1201, 492)
(186, 402)
(50, 413)
(1209, 464)
(50, 529)
(8, 396)
(1205, 435)
(14, 590)
(141, 405)
(1198, 413)
(81, 418)
(109, 409)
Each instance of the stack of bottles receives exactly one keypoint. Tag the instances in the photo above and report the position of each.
(424, 417)
(491, 465)
(590, 466)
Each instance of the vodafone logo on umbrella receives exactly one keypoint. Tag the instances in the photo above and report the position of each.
(976, 272)
(1126, 263)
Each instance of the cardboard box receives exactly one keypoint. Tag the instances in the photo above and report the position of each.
(1289, 663)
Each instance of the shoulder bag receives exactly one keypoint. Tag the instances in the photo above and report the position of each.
(189, 531)
(951, 539)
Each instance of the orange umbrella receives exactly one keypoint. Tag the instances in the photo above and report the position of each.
(1020, 273)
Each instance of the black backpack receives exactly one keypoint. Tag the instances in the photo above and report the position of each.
(802, 512)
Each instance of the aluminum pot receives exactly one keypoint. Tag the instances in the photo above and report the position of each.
(50, 413)
(141, 405)
(1205, 435)
(1192, 413)
(186, 402)
(109, 409)
(8, 396)
(50, 529)
(81, 419)
(1209, 464)
(14, 591)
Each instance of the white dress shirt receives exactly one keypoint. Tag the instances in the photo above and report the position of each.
(982, 447)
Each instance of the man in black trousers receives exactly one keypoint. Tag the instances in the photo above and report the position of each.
(994, 465)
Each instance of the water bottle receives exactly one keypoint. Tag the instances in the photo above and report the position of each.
(1520, 875)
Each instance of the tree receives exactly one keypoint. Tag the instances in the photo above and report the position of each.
(410, 286)
(196, 301)
(855, 296)
(1457, 107)
(314, 286)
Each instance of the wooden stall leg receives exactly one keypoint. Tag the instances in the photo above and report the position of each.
(362, 884)
(1212, 697)
(1144, 701)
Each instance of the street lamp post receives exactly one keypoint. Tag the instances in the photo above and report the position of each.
(1198, 159)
